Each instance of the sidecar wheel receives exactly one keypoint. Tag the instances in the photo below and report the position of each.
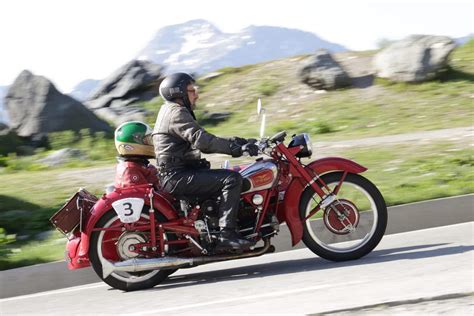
(363, 208)
(105, 244)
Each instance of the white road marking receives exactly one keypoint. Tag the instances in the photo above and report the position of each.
(242, 298)
(66, 290)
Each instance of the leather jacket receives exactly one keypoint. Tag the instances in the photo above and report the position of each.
(179, 140)
(130, 172)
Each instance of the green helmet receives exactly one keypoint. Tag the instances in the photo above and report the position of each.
(134, 139)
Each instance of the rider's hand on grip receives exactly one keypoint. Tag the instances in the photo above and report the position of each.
(251, 149)
(238, 140)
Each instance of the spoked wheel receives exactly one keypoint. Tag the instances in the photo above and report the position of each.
(351, 226)
(118, 246)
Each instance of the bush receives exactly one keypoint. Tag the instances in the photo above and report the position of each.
(59, 140)
(267, 87)
(322, 128)
(5, 239)
(9, 143)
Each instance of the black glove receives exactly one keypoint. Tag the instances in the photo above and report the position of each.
(238, 140)
(235, 150)
(252, 149)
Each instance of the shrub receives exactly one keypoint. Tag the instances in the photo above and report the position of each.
(267, 87)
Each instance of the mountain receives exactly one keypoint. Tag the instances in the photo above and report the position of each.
(199, 46)
(465, 39)
(3, 92)
(83, 90)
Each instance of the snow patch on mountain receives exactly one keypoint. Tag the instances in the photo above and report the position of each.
(198, 46)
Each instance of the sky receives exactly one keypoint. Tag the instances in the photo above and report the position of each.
(68, 41)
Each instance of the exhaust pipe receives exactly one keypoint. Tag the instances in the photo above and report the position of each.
(137, 265)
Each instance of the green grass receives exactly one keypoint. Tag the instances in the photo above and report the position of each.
(410, 173)
(267, 87)
(21, 254)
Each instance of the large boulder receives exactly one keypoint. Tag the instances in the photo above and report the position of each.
(416, 58)
(35, 107)
(321, 71)
(122, 115)
(62, 156)
(134, 82)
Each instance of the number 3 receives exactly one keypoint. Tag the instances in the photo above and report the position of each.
(128, 207)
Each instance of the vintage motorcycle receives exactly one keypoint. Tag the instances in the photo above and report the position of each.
(134, 238)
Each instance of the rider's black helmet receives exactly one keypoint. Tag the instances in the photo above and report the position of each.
(174, 87)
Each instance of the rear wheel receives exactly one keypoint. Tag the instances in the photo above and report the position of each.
(116, 246)
(351, 226)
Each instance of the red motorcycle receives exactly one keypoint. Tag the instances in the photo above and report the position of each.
(135, 237)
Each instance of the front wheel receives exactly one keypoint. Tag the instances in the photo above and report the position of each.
(351, 226)
(114, 245)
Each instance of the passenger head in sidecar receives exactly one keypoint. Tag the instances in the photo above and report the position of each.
(135, 146)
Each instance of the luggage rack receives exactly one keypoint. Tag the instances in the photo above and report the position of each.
(72, 215)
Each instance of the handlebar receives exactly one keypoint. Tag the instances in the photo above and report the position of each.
(278, 137)
(264, 143)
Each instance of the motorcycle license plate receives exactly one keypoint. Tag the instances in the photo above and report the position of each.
(129, 209)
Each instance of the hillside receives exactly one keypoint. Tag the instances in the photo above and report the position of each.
(371, 107)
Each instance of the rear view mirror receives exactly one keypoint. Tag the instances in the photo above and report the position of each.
(259, 107)
(261, 112)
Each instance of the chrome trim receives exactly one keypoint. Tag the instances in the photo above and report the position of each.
(136, 265)
(259, 166)
(308, 144)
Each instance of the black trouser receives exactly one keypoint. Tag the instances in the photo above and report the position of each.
(204, 183)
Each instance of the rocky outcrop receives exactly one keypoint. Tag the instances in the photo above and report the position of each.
(134, 82)
(121, 115)
(84, 89)
(35, 107)
(416, 58)
(322, 72)
(62, 156)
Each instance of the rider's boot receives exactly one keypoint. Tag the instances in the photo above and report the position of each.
(230, 241)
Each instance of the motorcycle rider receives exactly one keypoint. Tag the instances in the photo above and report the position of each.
(179, 141)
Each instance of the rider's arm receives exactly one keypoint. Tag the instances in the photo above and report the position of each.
(185, 127)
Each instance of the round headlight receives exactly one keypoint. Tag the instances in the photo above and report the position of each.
(309, 148)
(303, 141)
(257, 199)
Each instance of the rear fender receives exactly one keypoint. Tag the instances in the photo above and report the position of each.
(160, 204)
(73, 260)
(289, 210)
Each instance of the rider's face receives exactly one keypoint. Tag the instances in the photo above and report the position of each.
(192, 94)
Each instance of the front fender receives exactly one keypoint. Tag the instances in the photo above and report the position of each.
(289, 209)
(160, 204)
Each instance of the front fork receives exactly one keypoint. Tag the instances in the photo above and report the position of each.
(328, 197)
(331, 200)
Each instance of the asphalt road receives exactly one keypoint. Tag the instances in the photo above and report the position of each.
(404, 218)
(429, 263)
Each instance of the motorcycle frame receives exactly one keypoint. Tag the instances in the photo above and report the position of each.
(286, 211)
